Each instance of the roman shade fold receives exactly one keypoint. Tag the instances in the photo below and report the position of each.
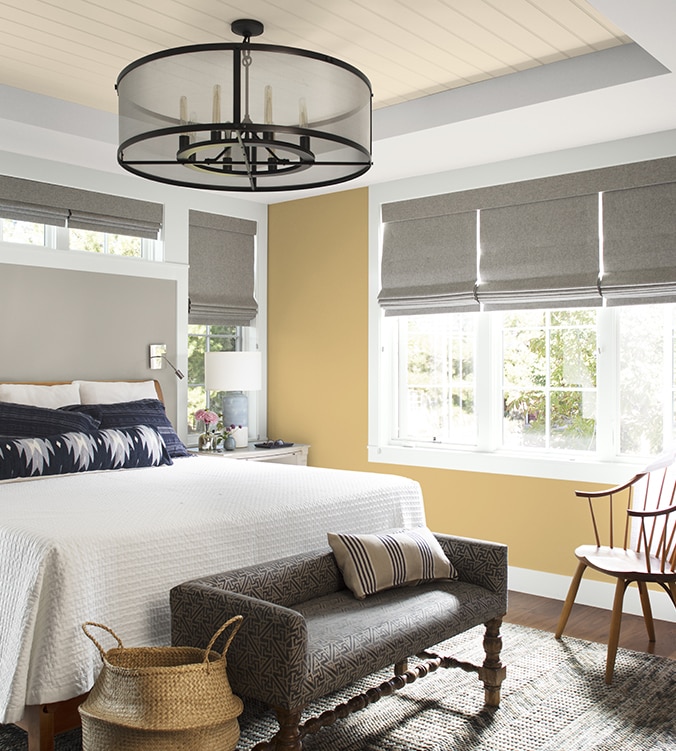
(221, 276)
(639, 245)
(114, 225)
(28, 212)
(542, 254)
(428, 264)
(58, 205)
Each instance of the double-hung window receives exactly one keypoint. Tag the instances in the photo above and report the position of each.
(202, 339)
(582, 383)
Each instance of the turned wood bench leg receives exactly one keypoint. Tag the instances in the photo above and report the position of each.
(289, 736)
(492, 672)
(401, 667)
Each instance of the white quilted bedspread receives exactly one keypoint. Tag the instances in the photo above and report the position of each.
(108, 546)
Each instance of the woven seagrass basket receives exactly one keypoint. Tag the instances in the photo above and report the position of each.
(161, 698)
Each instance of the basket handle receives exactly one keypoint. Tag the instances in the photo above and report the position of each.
(105, 628)
(237, 619)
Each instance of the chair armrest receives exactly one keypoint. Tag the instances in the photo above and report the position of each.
(591, 494)
(652, 512)
(266, 659)
(478, 562)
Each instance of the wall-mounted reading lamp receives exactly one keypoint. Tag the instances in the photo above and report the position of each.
(157, 357)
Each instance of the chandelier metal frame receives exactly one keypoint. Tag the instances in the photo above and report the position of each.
(246, 150)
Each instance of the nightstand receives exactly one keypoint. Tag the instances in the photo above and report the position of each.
(296, 454)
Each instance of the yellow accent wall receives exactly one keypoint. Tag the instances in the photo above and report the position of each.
(317, 376)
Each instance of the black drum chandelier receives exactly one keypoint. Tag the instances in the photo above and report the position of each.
(244, 117)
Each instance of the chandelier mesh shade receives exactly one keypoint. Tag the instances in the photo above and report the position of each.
(244, 117)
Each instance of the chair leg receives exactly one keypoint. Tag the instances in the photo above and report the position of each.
(647, 610)
(570, 599)
(614, 634)
(672, 592)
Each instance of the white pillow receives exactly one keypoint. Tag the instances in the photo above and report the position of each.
(373, 562)
(113, 392)
(52, 397)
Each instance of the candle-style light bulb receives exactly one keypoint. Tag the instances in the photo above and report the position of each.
(267, 116)
(216, 111)
(183, 138)
(302, 113)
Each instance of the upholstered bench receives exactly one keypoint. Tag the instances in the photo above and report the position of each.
(305, 634)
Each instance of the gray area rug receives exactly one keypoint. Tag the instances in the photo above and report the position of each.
(554, 699)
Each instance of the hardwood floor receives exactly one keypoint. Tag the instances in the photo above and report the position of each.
(591, 624)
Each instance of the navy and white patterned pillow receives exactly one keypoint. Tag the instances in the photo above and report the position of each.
(112, 448)
(141, 412)
(27, 421)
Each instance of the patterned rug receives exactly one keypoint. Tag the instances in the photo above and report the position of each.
(553, 699)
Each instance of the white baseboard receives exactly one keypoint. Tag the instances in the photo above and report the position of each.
(595, 593)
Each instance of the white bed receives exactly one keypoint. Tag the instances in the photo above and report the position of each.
(108, 546)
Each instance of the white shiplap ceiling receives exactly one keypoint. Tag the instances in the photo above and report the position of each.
(457, 83)
(74, 49)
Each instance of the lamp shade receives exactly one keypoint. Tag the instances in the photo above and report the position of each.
(232, 371)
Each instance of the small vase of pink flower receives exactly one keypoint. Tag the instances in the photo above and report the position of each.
(209, 438)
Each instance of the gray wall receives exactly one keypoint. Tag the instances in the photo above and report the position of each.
(59, 325)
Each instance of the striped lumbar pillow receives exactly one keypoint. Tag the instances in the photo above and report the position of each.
(373, 562)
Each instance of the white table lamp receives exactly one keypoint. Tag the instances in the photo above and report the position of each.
(234, 373)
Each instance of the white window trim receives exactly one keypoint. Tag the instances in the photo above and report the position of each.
(484, 459)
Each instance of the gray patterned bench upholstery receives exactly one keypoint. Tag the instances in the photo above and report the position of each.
(305, 635)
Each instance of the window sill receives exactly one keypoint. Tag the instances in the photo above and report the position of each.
(577, 469)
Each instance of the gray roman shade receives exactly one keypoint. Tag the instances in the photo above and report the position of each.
(428, 263)
(639, 245)
(540, 255)
(33, 201)
(539, 244)
(221, 277)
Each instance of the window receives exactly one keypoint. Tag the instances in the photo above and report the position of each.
(438, 390)
(585, 384)
(61, 238)
(201, 339)
(15, 231)
(102, 242)
(646, 345)
(570, 360)
(549, 380)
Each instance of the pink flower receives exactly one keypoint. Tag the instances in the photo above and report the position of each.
(206, 416)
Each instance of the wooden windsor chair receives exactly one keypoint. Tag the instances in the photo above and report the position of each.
(639, 544)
